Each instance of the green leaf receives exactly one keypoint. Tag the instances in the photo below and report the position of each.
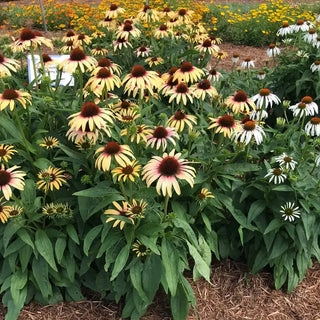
(202, 267)
(28, 194)
(102, 189)
(25, 237)
(149, 243)
(18, 282)
(280, 245)
(75, 156)
(151, 276)
(25, 255)
(44, 246)
(274, 224)
(136, 270)
(59, 248)
(74, 291)
(240, 231)
(43, 163)
(121, 261)
(9, 231)
(89, 238)
(179, 223)
(283, 187)
(72, 233)
(11, 128)
(205, 253)
(260, 261)
(40, 273)
(179, 304)
(170, 261)
(255, 209)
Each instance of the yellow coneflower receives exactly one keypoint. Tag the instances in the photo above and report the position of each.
(103, 79)
(140, 249)
(114, 11)
(49, 142)
(188, 73)
(167, 13)
(225, 124)
(204, 89)
(147, 14)
(128, 117)
(204, 194)
(4, 211)
(143, 52)
(154, 61)
(220, 54)
(51, 178)
(10, 178)
(184, 16)
(85, 144)
(122, 211)
(207, 46)
(8, 65)
(91, 115)
(129, 171)
(167, 169)
(99, 51)
(160, 137)
(162, 32)
(68, 47)
(169, 86)
(215, 40)
(123, 106)
(14, 211)
(77, 59)
(165, 76)
(121, 42)
(240, 103)
(182, 93)
(6, 151)
(107, 63)
(109, 23)
(76, 135)
(10, 97)
(98, 35)
(128, 30)
(121, 153)
(180, 119)
(138, 133)
(82, 40)
(69, 36)
(137, 209)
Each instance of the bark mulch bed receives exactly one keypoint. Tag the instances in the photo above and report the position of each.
(234, 294)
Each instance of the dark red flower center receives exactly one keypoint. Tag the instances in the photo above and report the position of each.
(249, 125)
(136, 210)
(182, 88)
(236, 55)
(121, 40)
(27, 34)
(105, 62)
(103, 73)
(77, 55)
(108, 19)
(213, 72)
(46, 58)
(207, 43)
(113, 7)
(10, 94)
(264, 92)
(173, 20)
(261, 73)
(163, 27)
(287, 159)
(5, 177)
(3, 152)
(285, 24)
(226, 121)
(128, 27)
(312, 31)
(213, 38)
(166, 9)
(172, 83)
(172, 70)
(160, 132)
(169, 166)
(317, 62)
(302, 105)
(179, 115)
(315, 120)
(300, 22)
(1, 58)
(247, 59)
(245, 119)
(125, 105)
(186, 66)
(240, 96)
(306, 100)
(89, 109)
(127, 118)
(81, 36)
(154, 59)
(146, 8)
(142, 49)
(112, 148)
(127, 170)
(182, 12)
(98, 48)
(69, 43)
(138, 71)
(204, 85)
(272, 46)
(70, 33)
(277, 172)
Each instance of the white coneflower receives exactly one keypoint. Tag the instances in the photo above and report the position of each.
(311, 36)
(258, 114)
(273, 50)
(235, 58)
(290, 211)
(285, 161)
(213, 75)
(301, 25)
(312, 127)
(261, 75)
(247, 131)
(306, 107)
(316, 43)
(265, 99)
(247, 63)
(276, 175)
(285, 29)
(317, 160)
(315, 67)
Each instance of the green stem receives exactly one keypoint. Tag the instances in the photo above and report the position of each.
(41, 61)
(124, 193)
(166, 201)
(80, 86)
(301, 128)
(34, 68)
(130, 191)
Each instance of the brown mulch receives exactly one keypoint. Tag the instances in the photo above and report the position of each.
(234, 294)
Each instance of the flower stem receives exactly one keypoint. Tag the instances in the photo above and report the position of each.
(124, 193)
(166, 202)
(34, 68)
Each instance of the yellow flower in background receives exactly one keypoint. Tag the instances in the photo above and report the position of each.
(51, 178)
(49, 142)
(6, 151)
